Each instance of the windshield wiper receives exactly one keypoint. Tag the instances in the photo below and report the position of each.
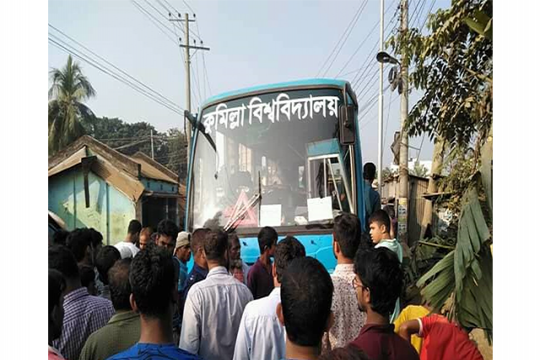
(200, 127)
(233, 223)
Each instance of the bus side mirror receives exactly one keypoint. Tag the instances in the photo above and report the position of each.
(346, 125)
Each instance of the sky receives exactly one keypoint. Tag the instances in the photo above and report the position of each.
(251, 43)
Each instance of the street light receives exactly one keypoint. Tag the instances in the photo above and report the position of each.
(385, 58)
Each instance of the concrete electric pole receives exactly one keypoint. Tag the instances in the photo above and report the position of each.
(381, 71)
(188, 47)
(403, 205)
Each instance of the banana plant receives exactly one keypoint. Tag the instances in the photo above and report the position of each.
(464, 277)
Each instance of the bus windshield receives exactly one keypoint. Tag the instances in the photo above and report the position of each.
(277, 161)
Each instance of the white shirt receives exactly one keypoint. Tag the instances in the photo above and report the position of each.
(212, 315)
(245, 270)
(260, 335)
(127, 249)
(348, 319)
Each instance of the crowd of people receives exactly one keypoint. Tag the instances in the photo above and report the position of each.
(137, 300)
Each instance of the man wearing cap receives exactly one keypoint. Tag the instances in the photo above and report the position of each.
(182, 253)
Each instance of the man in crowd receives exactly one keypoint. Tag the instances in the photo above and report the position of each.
(234, 255)
(305, 308)
(153, 295)
(200, 266)
(259, 279)
(372, 199)
(105, 259)
(84, 313)
(348, 320)
(167, 233)
(182, 254)
(379, 229)
(261, 335)
(81, 244)
(57, 285)
(127, 247)
(443, 340)
(214, 306)
(145, 237)
(124, 328)
(378, 283)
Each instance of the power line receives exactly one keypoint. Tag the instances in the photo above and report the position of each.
(344, 41)
(427, 16)
(367, 37)
(155, 22)
(59, 43)
(114, 66)
(339, 41)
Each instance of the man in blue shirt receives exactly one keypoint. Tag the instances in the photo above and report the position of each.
(372, 199)
(153, 295)
(182, 253)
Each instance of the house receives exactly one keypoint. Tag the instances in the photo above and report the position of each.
(93, 185)
(416, 202)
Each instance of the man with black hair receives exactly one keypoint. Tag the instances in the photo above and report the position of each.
(80, 243)
(57, 285)
(305, 308)
(127, 247)
(259, 279)
(372, 199)
(124, 328)
(200, 266)
(348, 320)
(153, 295)
(378, 283)
(379, 230)
(60, 237)
(167, 232)
(234, 255)
(214, 306)
(84, 313)
(105, 259)
(261, 335)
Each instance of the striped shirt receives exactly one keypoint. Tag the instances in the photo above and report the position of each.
(83, 314)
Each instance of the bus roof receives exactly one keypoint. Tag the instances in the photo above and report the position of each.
(306, 82)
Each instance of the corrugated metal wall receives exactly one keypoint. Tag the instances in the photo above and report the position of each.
(417, 187)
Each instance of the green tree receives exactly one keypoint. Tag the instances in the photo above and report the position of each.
(419, 170)
(66, 111)
(453, 66)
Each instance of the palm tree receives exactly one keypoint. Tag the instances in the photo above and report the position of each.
(66, 110)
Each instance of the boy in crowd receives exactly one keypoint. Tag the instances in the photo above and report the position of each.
(57, 285)
(153, 295)
(379, 229)
(411, 312)
(259, 279)
(84, 313)
(182, 253)
(234, 257)
(124, 328)
(261, 336)
(105, 260)
(378, 283)
(348, 319)
(167, 232)
(127, 247)
(214, 306)
(442, 340)
(305, 308)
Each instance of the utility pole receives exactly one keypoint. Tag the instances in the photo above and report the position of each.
(403, 205)
(188, 47)
(436, 169)
(152, 142)
(381, 70)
